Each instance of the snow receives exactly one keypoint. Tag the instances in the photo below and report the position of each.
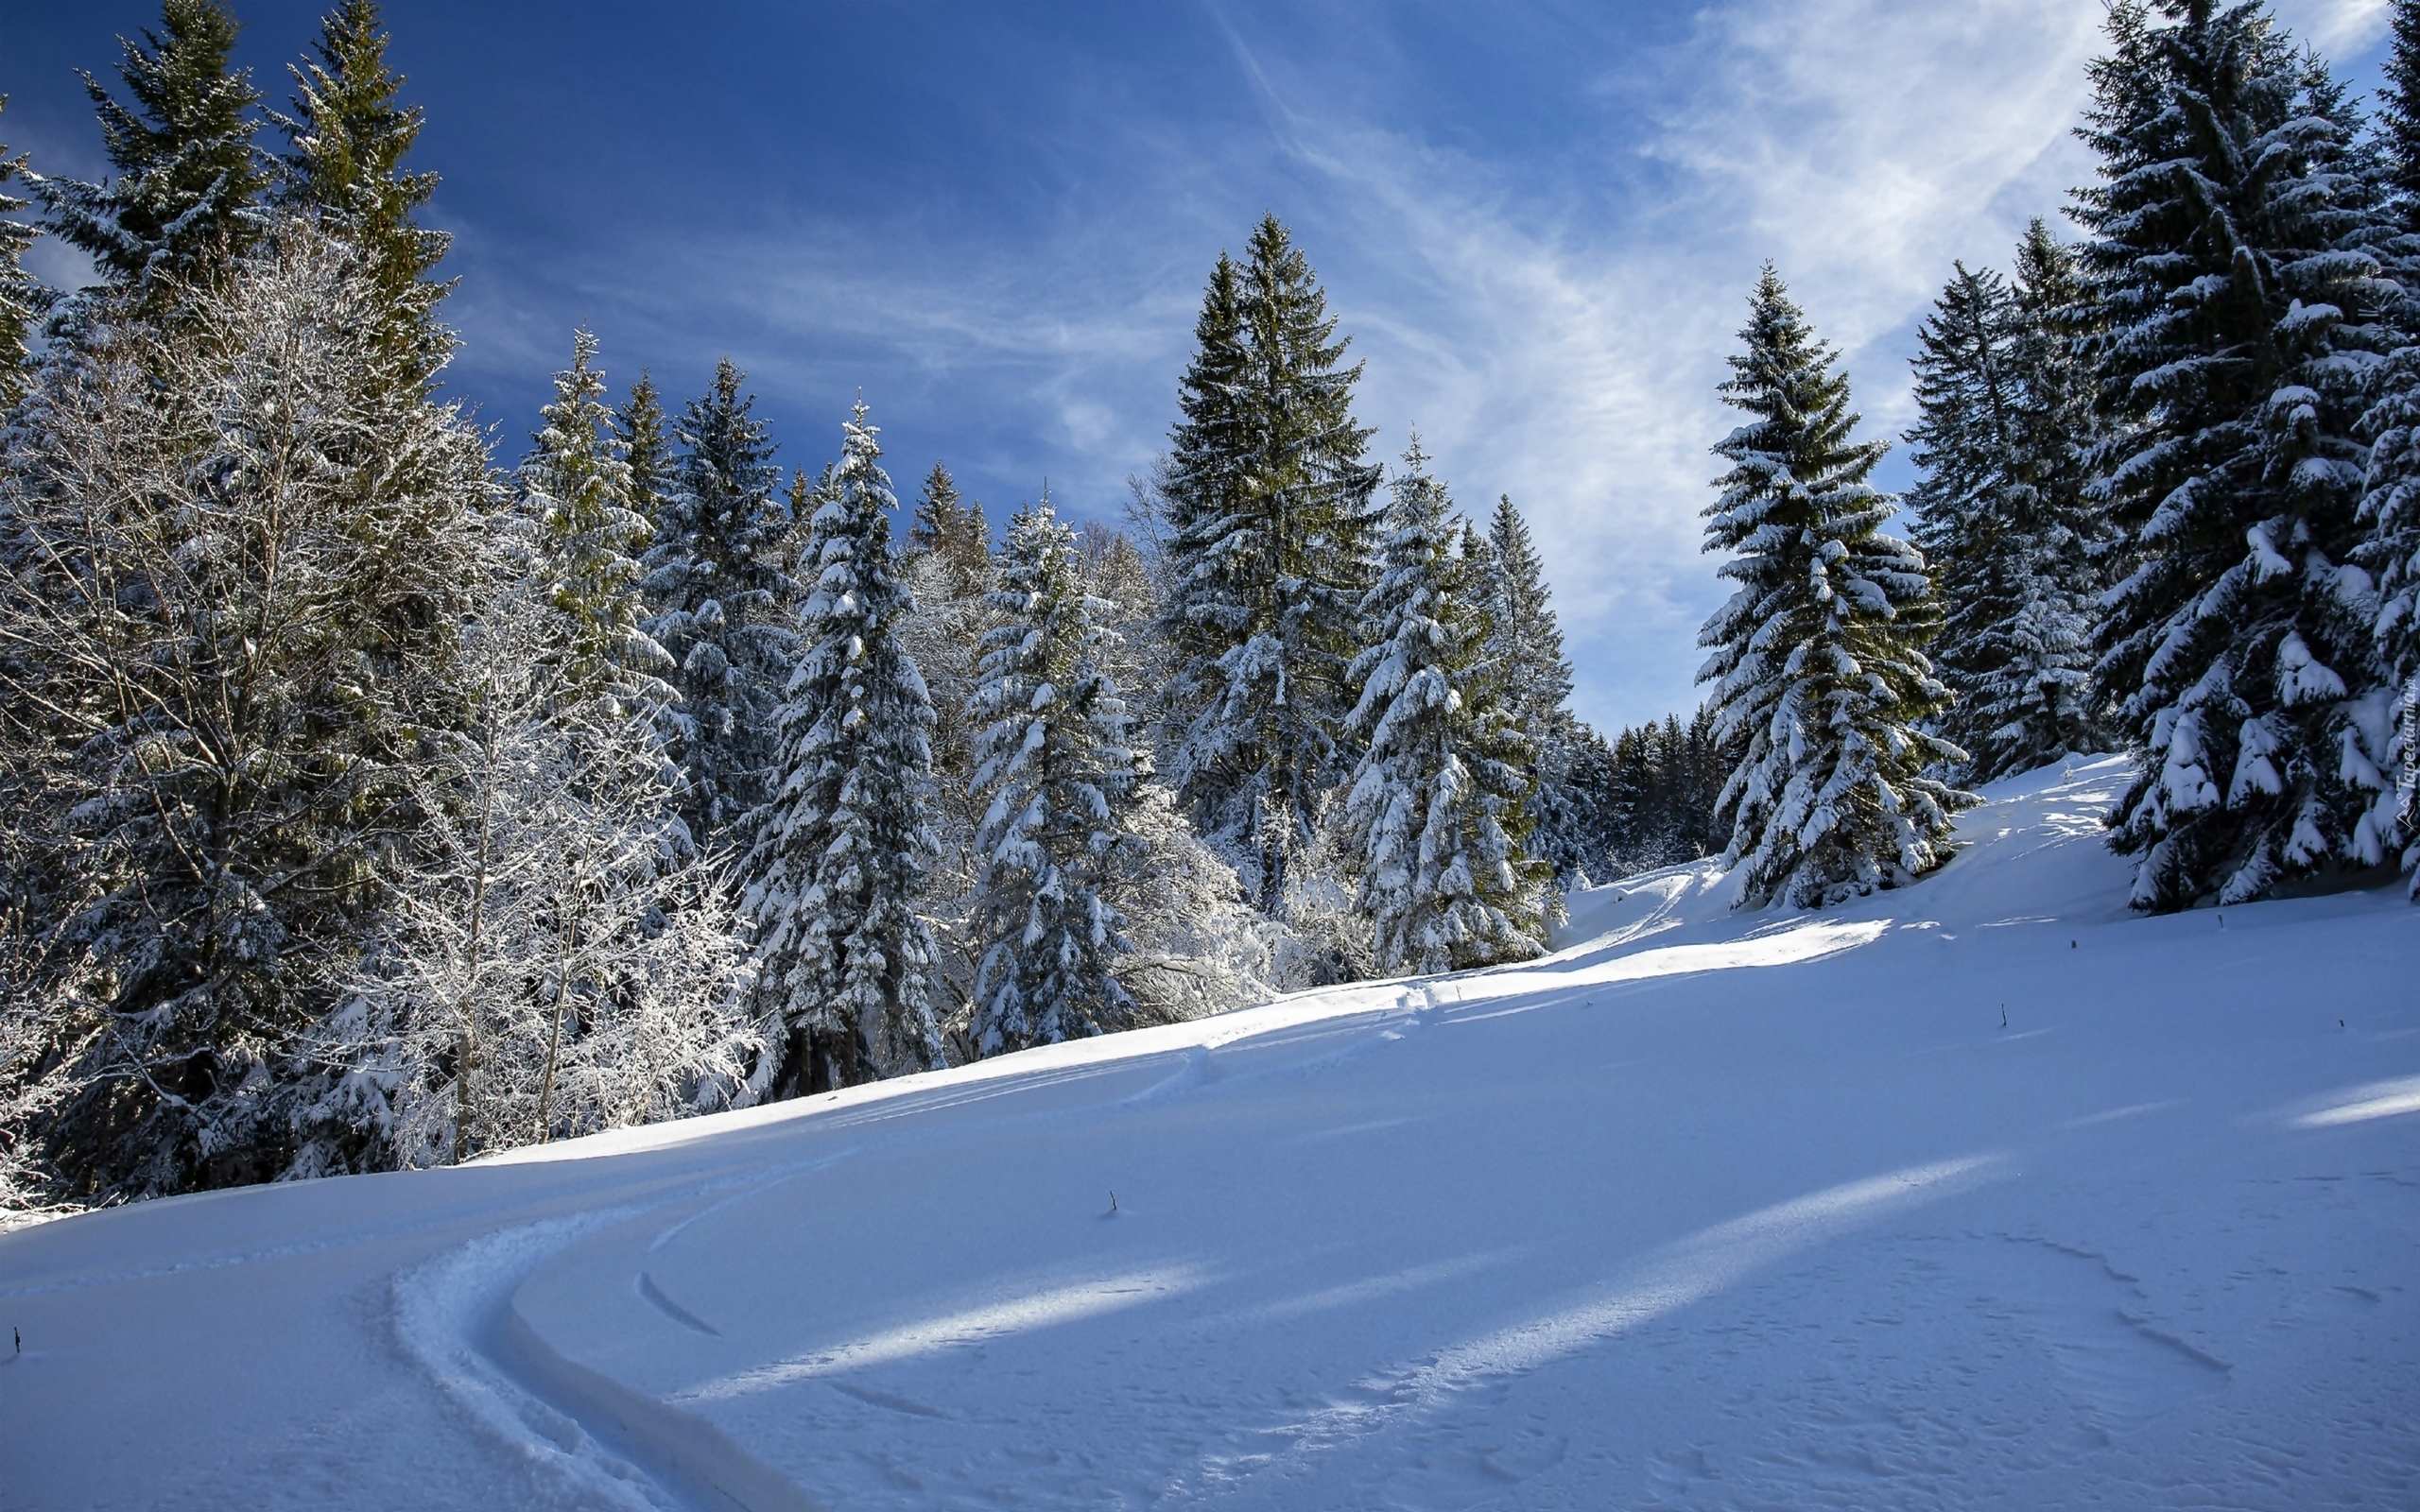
(1709, 1209)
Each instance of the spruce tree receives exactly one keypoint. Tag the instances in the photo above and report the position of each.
(948, 566)
(1055, 770)
(1206, 457)
(1630, 842)
(2391, 552)
(1590, 785)
(1526, 641)
(1820, 679)
(1268, 503)
(953, 531)
(2233, 227)
(347, 140)
(189, 179)
(1480, 566)
(837, 852)
(1433, 820)
(2399, 110)
(2001, 515)
(2390, 495)
(576, 491)
(638, 428)
(719, 599)
(23, 299)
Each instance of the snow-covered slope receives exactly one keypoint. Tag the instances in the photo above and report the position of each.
(1705, 1211)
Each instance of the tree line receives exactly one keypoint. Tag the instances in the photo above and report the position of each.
(371, 804)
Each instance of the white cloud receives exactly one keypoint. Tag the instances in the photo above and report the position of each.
(1862, 144)
(2338, 28)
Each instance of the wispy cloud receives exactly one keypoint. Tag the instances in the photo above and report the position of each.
(1552, 315)
(1571, 358)
(2336, 27)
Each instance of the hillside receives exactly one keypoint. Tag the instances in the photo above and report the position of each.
(1707, 1210)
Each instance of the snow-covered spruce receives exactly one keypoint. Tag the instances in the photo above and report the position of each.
(559, 959)
(947, 565)
(2391, 492)
(1055, 766)
(1432, 819)
(2231, 230)
(1819, 682)
(2391, 507)
(646, 448)
(951, 529)
(22, 297)
(1134, 654)
(1524, 649)
(2002, 516)
(836, 851)
(185, 197)
(721, 598)
(576, 492)
(349, 136)
(1267, 505)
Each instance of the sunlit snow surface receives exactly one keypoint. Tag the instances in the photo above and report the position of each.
(1709, 1209)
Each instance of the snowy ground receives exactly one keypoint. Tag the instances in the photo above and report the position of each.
(1706, 1210)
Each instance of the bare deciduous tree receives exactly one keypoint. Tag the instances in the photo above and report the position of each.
(233, 555)
(560, 960)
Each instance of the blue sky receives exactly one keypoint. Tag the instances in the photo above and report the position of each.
(1538, 222)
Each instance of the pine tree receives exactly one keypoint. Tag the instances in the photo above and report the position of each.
(838, 854)
(638, 427)
(184, 201)
(239, 547)
(23, 299)
(348, 138)
(1818, 676)
(1056, 768)
(2232, 228)
(721, 598)
(2002, 518)
(1268, 501)
(576, 491)
(1433, 818)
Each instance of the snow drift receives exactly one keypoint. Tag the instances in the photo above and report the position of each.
(1981, 1193)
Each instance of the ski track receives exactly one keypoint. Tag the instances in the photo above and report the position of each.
(457, 1319)
(449, 1319)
